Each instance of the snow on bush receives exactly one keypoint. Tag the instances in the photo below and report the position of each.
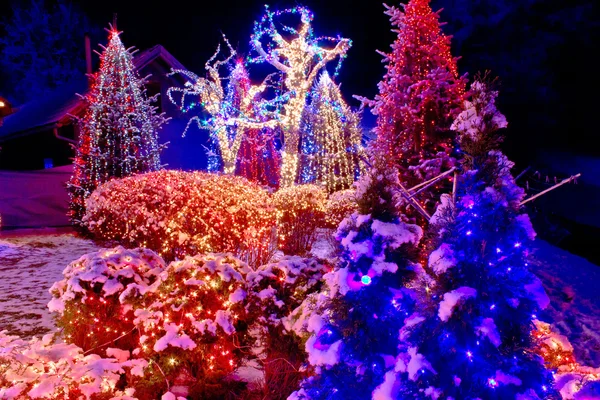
(94, 301)
(442, 258)
(177, 213)
(452, 298)
(195, 323)
(572, 380)
(276, 289)
(274, 292)
(187, 325)
(300, 211)
(41, 369)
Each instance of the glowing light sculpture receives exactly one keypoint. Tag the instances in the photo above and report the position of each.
(300, 58)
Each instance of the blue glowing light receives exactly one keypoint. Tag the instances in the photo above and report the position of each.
(366, 280)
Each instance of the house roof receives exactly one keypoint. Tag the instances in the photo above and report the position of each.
(49, 111)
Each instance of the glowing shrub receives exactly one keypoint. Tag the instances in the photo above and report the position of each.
(94, 300)
(178, 213)
(41, 369)
(193, 329)
(187, 326)
(339, 206)
(300, 211)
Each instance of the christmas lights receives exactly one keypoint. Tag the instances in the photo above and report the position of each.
(419, 96)
(366, 300)
(340, 205)
(118, 130)
(558, 354)
(230, 108)
(177, 213)
(300, 211)
(331, 139)
(477, 334)
(299, 58)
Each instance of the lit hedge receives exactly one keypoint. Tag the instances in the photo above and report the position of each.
(178, 213)
(300, 211)
(339, 206)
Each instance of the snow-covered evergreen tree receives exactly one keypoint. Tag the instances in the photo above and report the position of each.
(418, 98)
(118, 130)
(331, 139)
(354, 338)
(474, 340)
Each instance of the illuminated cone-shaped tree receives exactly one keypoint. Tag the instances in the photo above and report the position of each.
(474, 341)
(331, 139)
(118, 130)
(366, 301)
(418, 98)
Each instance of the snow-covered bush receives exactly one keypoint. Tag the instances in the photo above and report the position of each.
(41, 369)
(95, 300)
(274, 291)
(193, 330)
(339, 206)
(300, 211)
(178, 213)
(187, 326)
(572, 380)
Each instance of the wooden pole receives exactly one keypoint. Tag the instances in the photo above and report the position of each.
(522, 173)
(565, 181)
(454, 187)
(432, 180)
(404, 193)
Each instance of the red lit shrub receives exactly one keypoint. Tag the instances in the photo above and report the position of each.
(178, 213)
(94, 300)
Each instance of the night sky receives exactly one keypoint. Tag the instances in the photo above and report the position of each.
(542, 56)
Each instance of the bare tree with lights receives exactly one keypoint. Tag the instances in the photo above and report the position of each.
(230, 114)
(299, 57)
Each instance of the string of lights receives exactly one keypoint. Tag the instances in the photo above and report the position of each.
(118, 130)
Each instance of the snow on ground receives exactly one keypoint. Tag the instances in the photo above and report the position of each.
(30, 262)
(573, 284)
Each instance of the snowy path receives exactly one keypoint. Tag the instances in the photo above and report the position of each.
(29, 265)
(573, 285)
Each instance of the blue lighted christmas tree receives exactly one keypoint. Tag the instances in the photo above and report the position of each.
(354, 339)
(474, 339)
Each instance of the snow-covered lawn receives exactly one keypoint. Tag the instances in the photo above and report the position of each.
(573, 285)
(30, 263)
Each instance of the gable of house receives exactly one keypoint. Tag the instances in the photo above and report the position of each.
(42, 132)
